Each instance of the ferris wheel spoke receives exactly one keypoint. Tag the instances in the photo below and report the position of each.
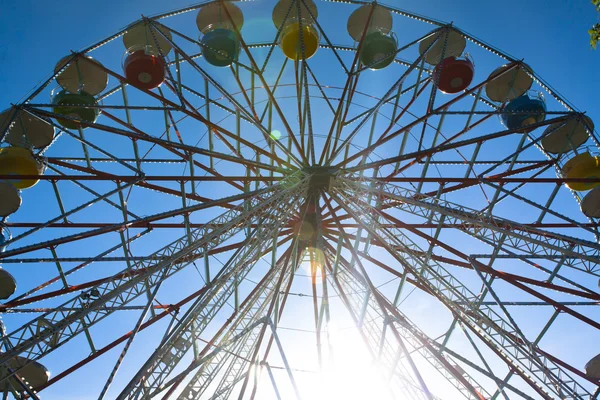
(417, 155)
(88, 225)
(272, 100)
(27, 298)
(501, 384)
(238, 117)
(134, 332)
(95, 175)
(418, 340)
(371, 294)
(261, 305)
(504, 177)
(86, 143)
(543, 209)
(224, 202)
(386, 97)
(177, 148)
(348, 91)
(349, 289)
(265, 131)
(61, 175)
(117, 292)
(527, 240)
(275, 41)
(393, 99)
(199, 383)
(157, 368)
(304, 110)
(168, 310)
(404, 129)
(323, 33)
(106, 228)
(212, 101)
(488, 325)
(29, 232)
(136, 134)
(500, 195)
(422, 349)
(190, 113)
(320, 87)
(463, 183)
(63, 274)
(580, 291)
(422, 344)
(431, 149)
(510, 159)
(522, 281)
(196, 163)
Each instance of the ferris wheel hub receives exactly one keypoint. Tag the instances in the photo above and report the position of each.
(321, 177)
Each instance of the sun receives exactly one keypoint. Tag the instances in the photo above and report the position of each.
(349, 371)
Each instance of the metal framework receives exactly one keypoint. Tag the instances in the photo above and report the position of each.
(300, 199)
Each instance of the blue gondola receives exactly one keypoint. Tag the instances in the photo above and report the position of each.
(221, 47)
(528, 109)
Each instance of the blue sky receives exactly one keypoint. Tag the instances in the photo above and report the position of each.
(551, 36)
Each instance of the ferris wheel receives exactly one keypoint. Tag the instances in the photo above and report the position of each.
(295, 199)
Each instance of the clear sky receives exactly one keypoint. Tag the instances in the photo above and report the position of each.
(551, 36)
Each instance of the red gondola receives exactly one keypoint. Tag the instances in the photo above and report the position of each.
(144, 71)
(453, 75)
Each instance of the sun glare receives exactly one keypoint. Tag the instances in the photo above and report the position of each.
(349, 372)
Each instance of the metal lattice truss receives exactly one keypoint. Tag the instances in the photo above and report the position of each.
(301, 200)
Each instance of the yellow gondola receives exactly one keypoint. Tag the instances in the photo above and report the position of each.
(19, 161)
(583, 165)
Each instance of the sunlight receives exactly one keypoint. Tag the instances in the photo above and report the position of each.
(348, 370)
(318, 258)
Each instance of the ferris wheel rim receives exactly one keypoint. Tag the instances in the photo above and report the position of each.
(387, 191)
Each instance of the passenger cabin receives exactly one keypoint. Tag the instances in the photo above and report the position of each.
(371, 28)
(453, 71)
(218, 23)
(144, 65)
(298, 35)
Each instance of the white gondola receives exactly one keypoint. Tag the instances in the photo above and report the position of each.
(454, 42)
(568, 135)
(282, 7)
(590, 205)
(32, 373)
(510, 85)
(81, 75)
(592, 368)
(143, 35)
(26, 129)
(8, 284)
(381, 18)
(10, 199)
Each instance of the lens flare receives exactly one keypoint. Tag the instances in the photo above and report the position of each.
(275, 134)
